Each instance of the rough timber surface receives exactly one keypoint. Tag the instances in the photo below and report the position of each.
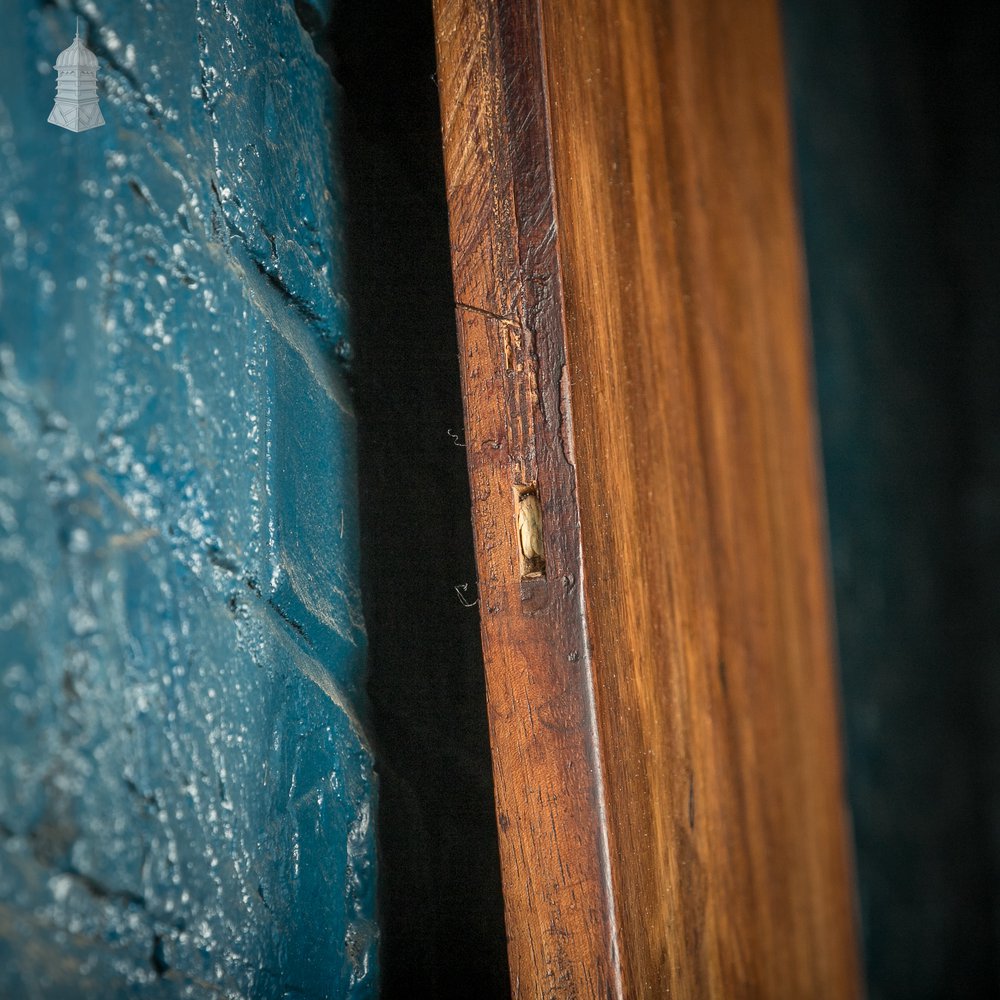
(186, 788)
(631, 319)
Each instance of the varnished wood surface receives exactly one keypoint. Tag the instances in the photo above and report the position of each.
(631, 319)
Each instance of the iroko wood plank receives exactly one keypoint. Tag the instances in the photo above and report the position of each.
(641, 444)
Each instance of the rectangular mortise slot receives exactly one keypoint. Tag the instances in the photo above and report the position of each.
(530, 540)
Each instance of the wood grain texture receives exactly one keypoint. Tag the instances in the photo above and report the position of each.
(632, 325)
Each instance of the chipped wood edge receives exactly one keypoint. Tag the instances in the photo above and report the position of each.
(557, 885)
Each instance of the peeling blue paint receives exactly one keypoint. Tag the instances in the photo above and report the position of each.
(186, 788)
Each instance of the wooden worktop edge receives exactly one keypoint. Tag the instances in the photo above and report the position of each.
(509, 309)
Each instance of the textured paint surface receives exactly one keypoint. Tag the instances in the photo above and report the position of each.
(186, 791)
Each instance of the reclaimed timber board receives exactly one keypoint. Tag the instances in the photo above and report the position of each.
(646, 499)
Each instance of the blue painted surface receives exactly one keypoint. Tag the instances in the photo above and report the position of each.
(186, 790)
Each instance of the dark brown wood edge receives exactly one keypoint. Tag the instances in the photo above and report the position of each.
(550, 800)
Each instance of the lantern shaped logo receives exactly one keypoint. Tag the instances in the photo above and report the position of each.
(76, 106)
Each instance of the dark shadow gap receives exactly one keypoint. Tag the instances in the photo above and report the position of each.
(896, 123)
(440, 893)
